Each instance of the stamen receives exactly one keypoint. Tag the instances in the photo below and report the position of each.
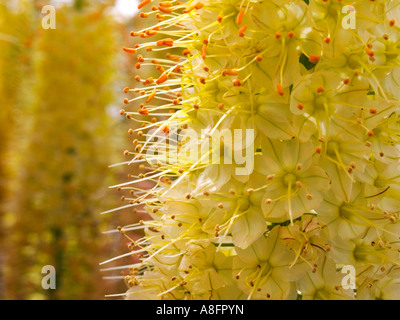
(143, 3)
(130, 50)
(242, 31)
(240, 17)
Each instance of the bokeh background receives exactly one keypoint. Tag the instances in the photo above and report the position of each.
(60, 130)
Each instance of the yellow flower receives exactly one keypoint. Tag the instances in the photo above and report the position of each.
(321, 110)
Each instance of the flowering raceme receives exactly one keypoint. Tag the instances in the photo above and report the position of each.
(320, 189)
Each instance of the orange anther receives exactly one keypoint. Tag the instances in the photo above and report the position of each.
(151, 33)
(130, 50)
(149, 81)
(144, 112)
(279, 89)
(242, 30)
(175, 58)
(204, 51)
(166, 42)
(231, 72)
(314, 58)
(369, 52)
(165, 128)
(160, 69)
(151, 96)
(240, 17)
(165, 10)
(188, 9)
(143, 3)
(162, 79)
(165, 4)
(197, 6)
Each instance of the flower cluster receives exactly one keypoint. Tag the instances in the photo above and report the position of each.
(322, 99)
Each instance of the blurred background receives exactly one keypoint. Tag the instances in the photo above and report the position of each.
(61, 91)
